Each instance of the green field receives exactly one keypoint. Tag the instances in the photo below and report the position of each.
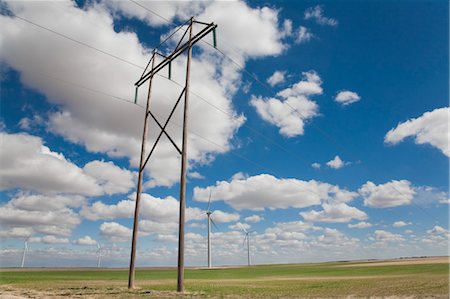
(325, 280)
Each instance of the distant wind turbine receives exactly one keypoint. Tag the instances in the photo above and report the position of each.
(208, 214)
(247, 237)
(25, 249)
(99, 255)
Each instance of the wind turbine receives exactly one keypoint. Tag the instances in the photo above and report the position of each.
(247, 237)
(208, 214)
(25, 249)
(99, 255)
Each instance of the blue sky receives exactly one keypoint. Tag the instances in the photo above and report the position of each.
(335, 148)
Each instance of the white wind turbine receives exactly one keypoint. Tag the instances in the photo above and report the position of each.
(99, 255)
(247, 237)
(25, 249)
(208, 214)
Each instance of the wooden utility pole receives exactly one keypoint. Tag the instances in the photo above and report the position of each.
(139, 186)
(179, 49)
(180, 281)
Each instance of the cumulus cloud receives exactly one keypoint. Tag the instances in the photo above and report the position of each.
(426, 195)
(110, 177)
(382, 236)
(48, 240)
(25, 215)
(223, 217)
(346, 97)
(238, 226)
(294, 108)
(400, 224)
(86, 240)
(316, 165)
(391, 194)
(303, 35)
(336, 163)
(340, 212)
(16, 232)
(90, 119)
(152, 208)
(266, 191)
(254, 218)
(437, 230)
(28, 164)
(168, 11)
(316, 13)
(40, 202)
(361, 225)
(277, 77)
(115, 232)
(432, 128)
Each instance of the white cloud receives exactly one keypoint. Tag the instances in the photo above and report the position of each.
(115, 232)
(303, 35)
(426, 195)
(254, 218)
(316, 13)
(16, 232)
(391, 194)
(238, 226)
(346, 97)
(90, 119)
(277, 77)
(432, 128)
(310, 85)
(49, 240)
(239, 176)
(110, 177)
(30, 165)
(223, 217)
(437, 230)
(152, 208)
(266, 191)
(361, 224)
(382, 236)
(27, 163)
(340, 212)
(315, 165)
(29, 215)
(295, 108)
(45, 203)
(86, 240)
(261, 22)
(195, 175)
(169, 11)
(336, 163)
(400, 224)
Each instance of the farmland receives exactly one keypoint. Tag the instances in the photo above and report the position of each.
(412, 278)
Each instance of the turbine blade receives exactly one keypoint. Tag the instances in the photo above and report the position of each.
(245, 238)
(209, 200)
(212, 221)
(243, 228)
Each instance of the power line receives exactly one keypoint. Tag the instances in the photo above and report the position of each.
(77, 41)
(263, 136)
(234, 62)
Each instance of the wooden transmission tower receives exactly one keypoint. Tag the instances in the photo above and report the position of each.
(148, 75)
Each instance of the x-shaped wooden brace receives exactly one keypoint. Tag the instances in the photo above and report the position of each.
(163, 130)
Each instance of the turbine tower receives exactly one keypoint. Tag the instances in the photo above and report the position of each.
(25, 249)
(247, 237)
(99, 255)
(208, 214)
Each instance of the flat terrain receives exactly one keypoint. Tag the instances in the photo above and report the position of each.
(403, 278)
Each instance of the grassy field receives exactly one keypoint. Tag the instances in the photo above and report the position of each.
(424, 279)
